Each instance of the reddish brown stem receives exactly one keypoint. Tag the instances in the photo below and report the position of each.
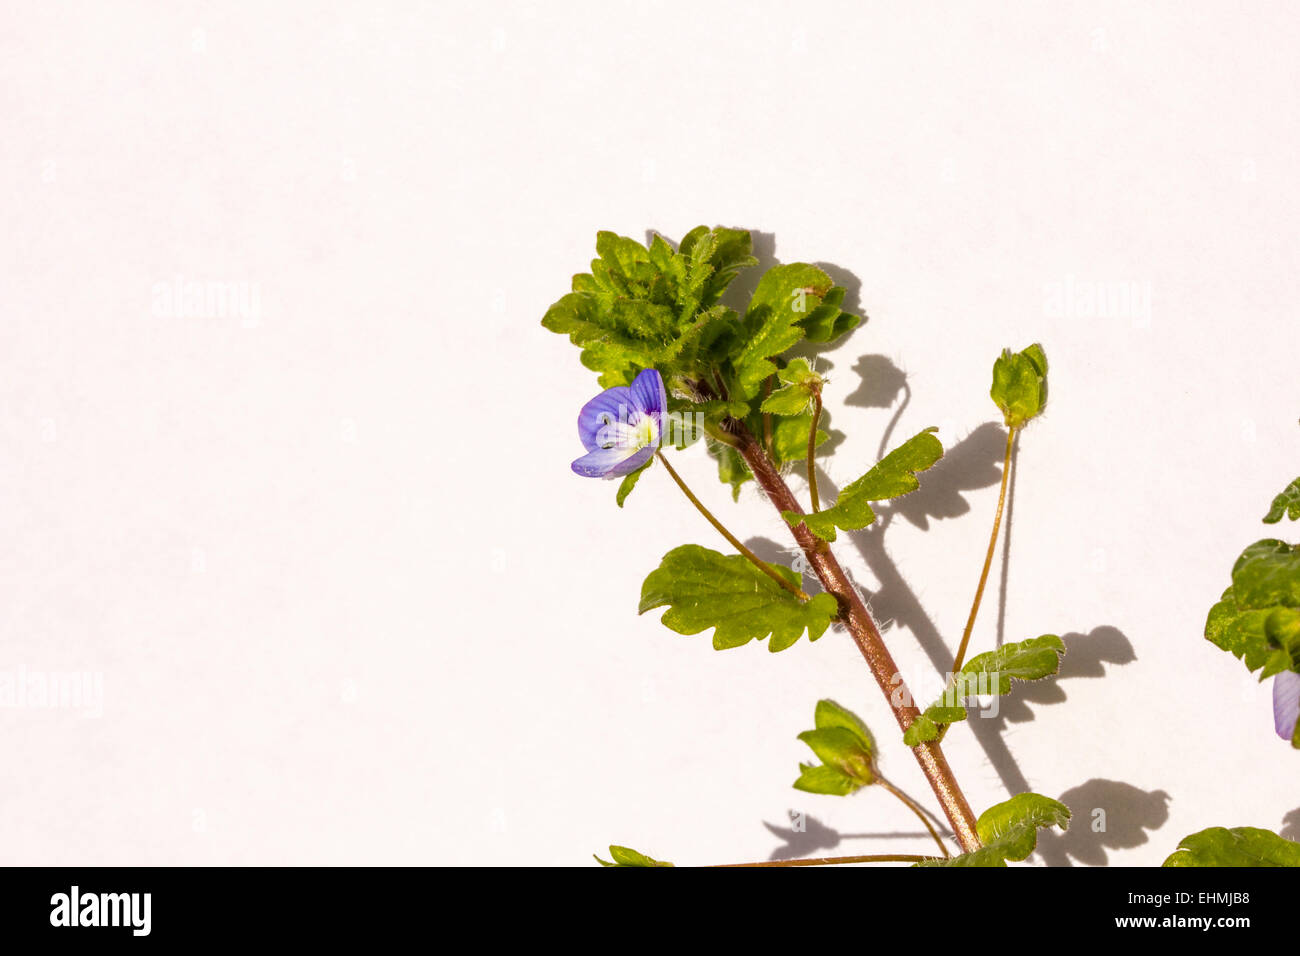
(865, 633)
(835, 860)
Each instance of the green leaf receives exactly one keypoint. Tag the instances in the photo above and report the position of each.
(782, 300)
(724, 251)
(1267, 574)
(893, 476)
(1009, 830)
(1033, 659)
(1020, 384)
(790, 437)
(819, 778)
(629, 482)
(1013, 824)
(926, 727)
(794, 397)
(625, 856)
(732, 469)
(846, 748)
(842, 749)
(1257, 619)
(788, 400)
(1240, 846)
(706, 589)
(987, 673)
(1288, 503)
(654, 307)
(827, 321)
(829, 714)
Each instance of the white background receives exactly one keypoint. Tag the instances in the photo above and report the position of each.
(347, 601)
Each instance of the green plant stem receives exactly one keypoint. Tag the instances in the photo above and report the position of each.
(812, 451)
(866, 634)
(988, 557)
(731, 538)
(835, 860)
(915, 808)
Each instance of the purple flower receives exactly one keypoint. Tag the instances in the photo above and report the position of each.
(622, 427)
(1286, 703)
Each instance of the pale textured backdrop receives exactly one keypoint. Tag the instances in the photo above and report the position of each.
(346, 600)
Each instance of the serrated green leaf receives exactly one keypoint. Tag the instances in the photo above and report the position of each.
(827, 321)
(629, 482)
(787, 400)
(626, 856)
(1239, 846)
(1009, 830)
(893, 476)
(799, 384)
(1013, 824)
(1020, 384)
(652, 307)
(705, 589)
(783, 298)
(728, 251)
(1239, 632)
(1257, 619)
(1032, 659)
(923, 729)
(1287, 503)
(1267, 574)
(987, 673)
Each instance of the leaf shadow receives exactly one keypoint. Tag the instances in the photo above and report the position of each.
(1086, 656)
(1105, 815)
(1291, 825)
(973, 463)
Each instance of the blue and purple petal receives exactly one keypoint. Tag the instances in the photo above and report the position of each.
(611, 462)
(620, 427)
(649, 394)
(609, 407)
(1286, 703)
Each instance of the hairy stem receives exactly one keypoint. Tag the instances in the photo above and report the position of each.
(767, 418)
(988, 557)
(731, 538)
(915, 808)
(812, 452)
(833, 860)
(865, 633)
